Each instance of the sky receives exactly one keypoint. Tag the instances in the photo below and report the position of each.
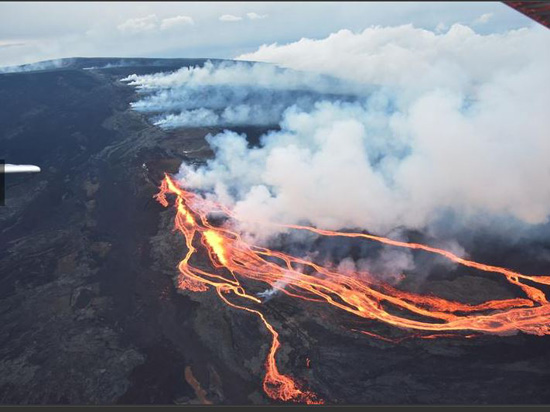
(35, 31)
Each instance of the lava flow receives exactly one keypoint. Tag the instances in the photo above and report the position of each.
(234, 262)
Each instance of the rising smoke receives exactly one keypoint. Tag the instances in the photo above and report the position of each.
(233, 94)
(389, 128)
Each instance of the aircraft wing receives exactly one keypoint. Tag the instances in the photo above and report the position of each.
(9, 168)
(537, 10)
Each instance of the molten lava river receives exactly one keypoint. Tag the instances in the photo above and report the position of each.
(235, 263)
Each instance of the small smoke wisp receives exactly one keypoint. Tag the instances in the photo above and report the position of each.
(270, 293)
(44, 65)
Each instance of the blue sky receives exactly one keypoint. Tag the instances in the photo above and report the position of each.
(33, 31)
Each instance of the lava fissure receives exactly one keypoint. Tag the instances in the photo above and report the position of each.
(356, 293)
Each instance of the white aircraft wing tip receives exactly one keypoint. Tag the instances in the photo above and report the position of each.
(9, 168)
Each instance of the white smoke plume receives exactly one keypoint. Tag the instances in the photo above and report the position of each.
(232, 94)
(412, 61)
(388, 265)
(240, 74)
(452, 121)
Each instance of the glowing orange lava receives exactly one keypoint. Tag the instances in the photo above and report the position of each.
(232, 261)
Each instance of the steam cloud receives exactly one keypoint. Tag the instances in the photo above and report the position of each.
(388, 128)
(232, 94)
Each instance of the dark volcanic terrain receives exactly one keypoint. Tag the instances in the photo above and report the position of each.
(89, 312)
